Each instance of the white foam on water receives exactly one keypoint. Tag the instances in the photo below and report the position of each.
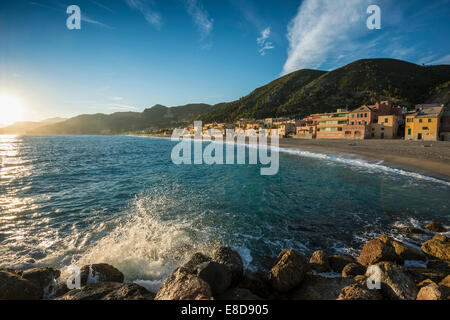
(360, 163)
(147, 246)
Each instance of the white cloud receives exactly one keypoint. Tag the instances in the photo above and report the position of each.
(322, 29)
(200, 17)
(149, 14)
(122, 107)
(442, 60)
(263, 41)
(117, 98)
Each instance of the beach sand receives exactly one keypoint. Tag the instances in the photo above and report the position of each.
(429, 158)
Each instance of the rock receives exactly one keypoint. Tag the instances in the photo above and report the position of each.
(43, 278)
(435, 227)
(410, 230)
(352, 270)
(315, 287)
(183, 286)
(233, 261)
(339, 261)
(433, 292)
(421, 274)
(377, 250)
(319, 261)
(238, 294)
(197, 259)
(14, 287)
(100, 272)
(258, 283)
(445, 282)
(438, 247)
(217, 275)
(130, 291)
(395, 282)
(384, 248)
(109, 291)
(289, 270)
(359, 292)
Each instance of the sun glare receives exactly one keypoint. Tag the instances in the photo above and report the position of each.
(11, 109)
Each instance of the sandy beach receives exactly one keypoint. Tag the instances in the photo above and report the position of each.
(429, 158)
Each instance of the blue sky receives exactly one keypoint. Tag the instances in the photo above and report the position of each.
(132, 54)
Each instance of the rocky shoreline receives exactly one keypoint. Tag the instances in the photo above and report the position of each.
(383, 271)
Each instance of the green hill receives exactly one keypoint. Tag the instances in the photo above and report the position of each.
(156, 117)
(303, 92)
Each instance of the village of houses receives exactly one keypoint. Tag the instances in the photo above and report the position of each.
(428, 122)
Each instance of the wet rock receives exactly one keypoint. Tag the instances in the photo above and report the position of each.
(352, 270)
(421, 274)
(438, 247)
(386, 249)
(435, 227)
(289, 270)
(43, 278)
(410, 230)
(395, 282)
(130, 291)
(183, 286)
(100, 272)
(14, 287)
(238, 294)
(109, 291)
(232, 260)
(258, 283)
(445, 282)
(315, 287)
(432, 291)
(339, 261)
(217, 275)
(319, 261)
(359, 292)
(196, 259)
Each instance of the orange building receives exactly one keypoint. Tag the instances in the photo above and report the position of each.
(424, 124)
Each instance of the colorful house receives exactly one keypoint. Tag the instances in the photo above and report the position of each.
(424, 124)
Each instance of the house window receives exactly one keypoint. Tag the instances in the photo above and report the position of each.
(424, 128)
(409, 120)
(420, 120)
(382, 129)
(353, 122)
(409, 131)
(429, 120)
(386, 120)
(365, 115)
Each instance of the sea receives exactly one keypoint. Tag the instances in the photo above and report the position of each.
(77, 200)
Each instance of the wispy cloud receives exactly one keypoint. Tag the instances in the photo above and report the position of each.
(200, 17)
(146, 8)
(436, 60)
(86, 19)
(122, 107)
(117, 98)
(98, 4)
(263, 41)
(320, 29)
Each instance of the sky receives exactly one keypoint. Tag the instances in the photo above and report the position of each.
(132, 54)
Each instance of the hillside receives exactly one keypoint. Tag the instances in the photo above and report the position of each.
(156, 117)
(303, 92)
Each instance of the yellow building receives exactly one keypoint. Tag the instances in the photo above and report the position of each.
(385, 128)
(423, 124)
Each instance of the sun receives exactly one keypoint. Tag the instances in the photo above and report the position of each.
(11, 109)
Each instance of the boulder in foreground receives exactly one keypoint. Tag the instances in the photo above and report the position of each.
(109, 291)
(14, 287)
(289, 270)
(339, 261)
(232, 260)
(435, 227)
(316, 287)
(182, 286)
(395, 283)
(359, 291)
(432, 291)
(438, 247)
(319, 261)
(100, 272)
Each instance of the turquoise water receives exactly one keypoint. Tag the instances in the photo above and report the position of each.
(120, 200)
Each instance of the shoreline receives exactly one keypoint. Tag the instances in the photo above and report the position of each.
(413, 156)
